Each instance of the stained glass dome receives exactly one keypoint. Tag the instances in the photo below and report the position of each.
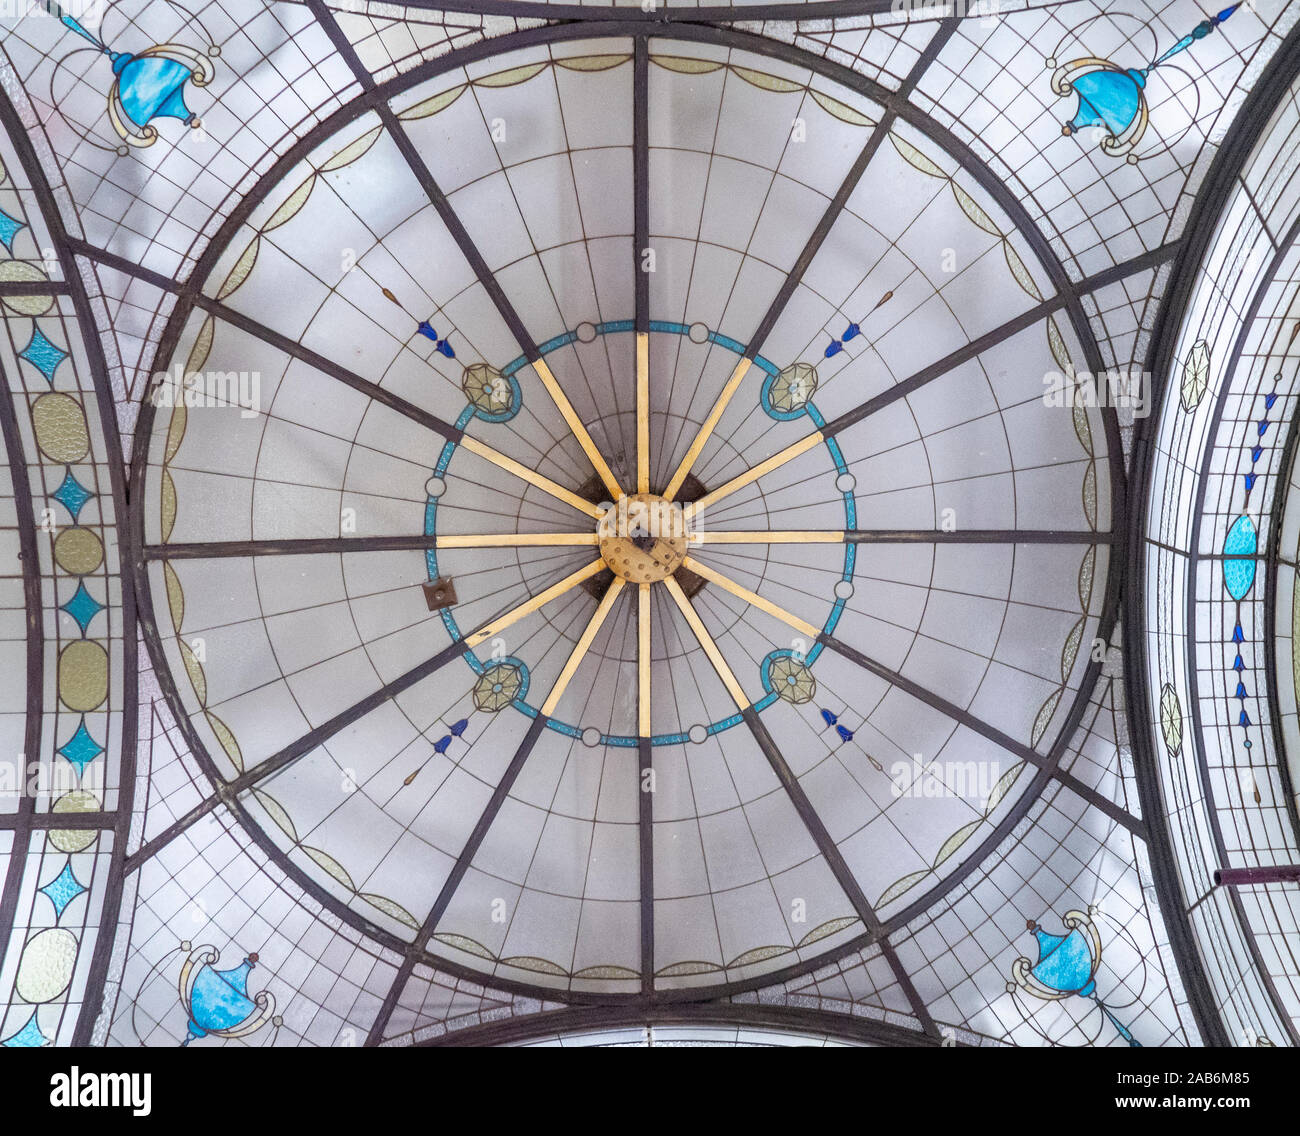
(654, 524)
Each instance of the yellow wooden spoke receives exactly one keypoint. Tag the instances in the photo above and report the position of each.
(565, 407)
(531, 605)
(582, 646)
(776, 461)
(642, 412)
(643, 660)
(730, 585)
(765, 536)
(729, 680)
(535, 479)
(514, 540)
(702, 435)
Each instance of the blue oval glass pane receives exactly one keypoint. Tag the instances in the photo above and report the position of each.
(1242, 540)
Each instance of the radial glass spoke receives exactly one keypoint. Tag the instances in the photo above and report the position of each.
(707, 644)
(642, 412)
(753, 598)
(707, 428)
(570, 416)
(582, 646)
(535, 479)
(535, 603)
(775, 462)
(643, 660)
(516, 540)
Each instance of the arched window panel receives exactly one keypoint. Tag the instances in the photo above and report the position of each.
(70, 642)
(1222, 449)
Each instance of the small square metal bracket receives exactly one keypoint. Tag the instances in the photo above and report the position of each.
(440, 593)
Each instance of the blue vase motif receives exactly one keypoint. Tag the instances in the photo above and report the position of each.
(148, 84)
(1108, 97)
(1066, 967)
(217, 1001)
(1112, 99)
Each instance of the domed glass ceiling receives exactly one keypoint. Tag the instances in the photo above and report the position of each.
(813, 524)
(607, 516)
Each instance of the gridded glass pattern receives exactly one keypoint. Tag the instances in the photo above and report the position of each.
(410, 733)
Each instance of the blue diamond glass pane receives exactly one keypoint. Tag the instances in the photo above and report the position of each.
(62, 890)
(80, 749)
(43, 355)
(9, 227)
(83, 607)
(72, 495)
(29, 1037)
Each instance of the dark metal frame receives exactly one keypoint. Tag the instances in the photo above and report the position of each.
(1194, 559)
(72, 285)
(21, 821)
(640, 27)
(788, 1019)
(1286, 469)
(373, 98)
(1208, 207)
(672, 12)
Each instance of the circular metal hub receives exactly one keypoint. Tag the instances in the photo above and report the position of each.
(643, 538)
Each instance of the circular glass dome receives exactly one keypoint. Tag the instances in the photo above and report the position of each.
(604, 522)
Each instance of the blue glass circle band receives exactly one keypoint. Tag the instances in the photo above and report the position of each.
(616, 327)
